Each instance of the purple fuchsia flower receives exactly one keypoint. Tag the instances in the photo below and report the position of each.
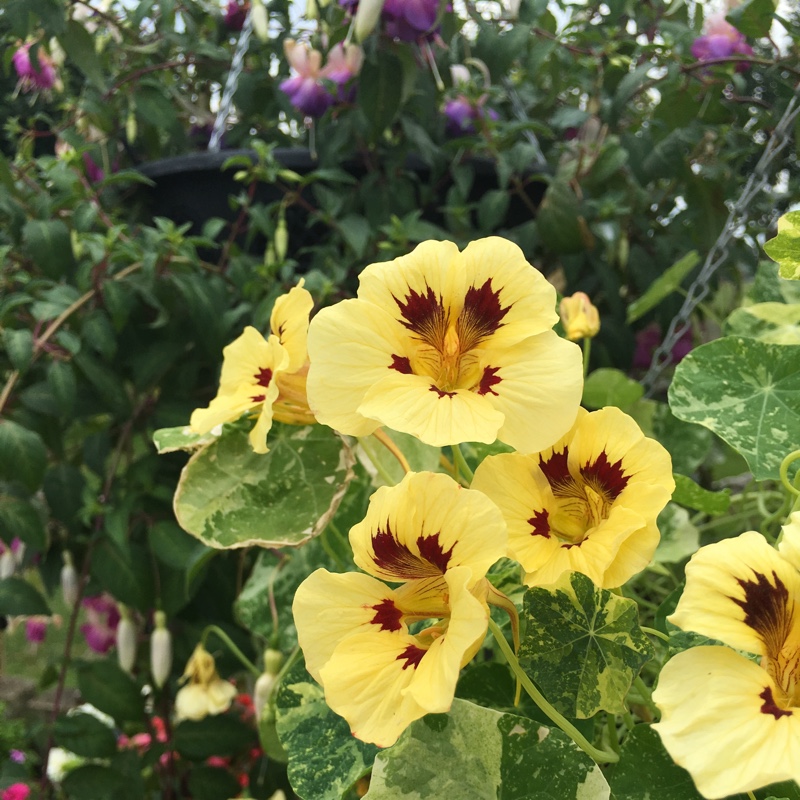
(94, 172)
(32, 78)
(649, 338)
(461, 114)
(35, 629)
(100, 631)
(308, 91)
(720, 40)
(408, 20)
(235, 14)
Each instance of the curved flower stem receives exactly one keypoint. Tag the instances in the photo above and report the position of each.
(384, 438)
(784, 472)
(246, 662)
(587, 354)
(646, 695)
(461, 463)
(654, 632)
(601, 756)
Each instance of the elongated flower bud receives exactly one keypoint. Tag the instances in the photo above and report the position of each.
(7, 564)
(265, 684)
(69, 580)
(260, 20)
(126, 639)
(281, 239)
(160, 650)
(367, 16)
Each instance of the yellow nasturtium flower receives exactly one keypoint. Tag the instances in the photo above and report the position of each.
(733, 723)
(581, 319)
(436, 540)
(205, 693)
(265, 376)
(447, 346)
(587, 504)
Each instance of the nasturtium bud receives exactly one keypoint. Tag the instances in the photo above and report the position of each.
(160, 650)
(580, 318)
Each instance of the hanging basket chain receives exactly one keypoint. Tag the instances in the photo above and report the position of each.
(718, 254)
(231, 84)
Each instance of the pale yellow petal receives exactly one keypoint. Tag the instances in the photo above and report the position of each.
(350, 346)
(289, 322)
(539, 392)
(719, 722)
(251, 360)
(258, 435)
(220, 695)
(634, 554)
(742, 592)
(789, 546)
(329, 607)
(412, 404)
(228, 408)
(191, 702)
(426, 525)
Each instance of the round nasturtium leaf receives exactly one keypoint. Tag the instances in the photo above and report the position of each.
(748, 393)
(229, 496)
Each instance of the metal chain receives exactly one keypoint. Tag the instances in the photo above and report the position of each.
(231, 83)
(718, 254)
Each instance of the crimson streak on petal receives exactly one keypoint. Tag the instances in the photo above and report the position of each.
(482, 315)
(609, 478)
(540, 523)
(263, 376)
(398, 560)
(489, 379)
(387, 615)
(770, 706)
(424, 315)
(401, 364)
(412, 656)
(431, 550)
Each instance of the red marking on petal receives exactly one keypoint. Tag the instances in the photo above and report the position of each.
(401, 364)
(481, 316)
(387, 615)
(556, 469)
(424, 315)
(412, 656)
(438, 391)
(489, 379)
(263, 376)
(540, 523)
(396, 559)
(431, 550)
(607, 478)
(770, 706)
(258, 398)
(766, 610)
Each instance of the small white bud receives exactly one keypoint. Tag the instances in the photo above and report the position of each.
(126, 639)
(69, 580)
(160, 650)
(260, 20)
(7, 564)
(367, 16)
(281, 239)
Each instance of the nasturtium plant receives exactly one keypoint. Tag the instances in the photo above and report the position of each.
(785, 247)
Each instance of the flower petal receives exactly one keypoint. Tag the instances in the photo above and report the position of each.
(328, 607)
(251, 360)
(426, 525)
(789, 546)
(742, 592)
(720, 722)
(289, 322)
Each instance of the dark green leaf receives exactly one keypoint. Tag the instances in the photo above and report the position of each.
(126, 573)
(753, 17)
(19, 346)
(61, 379)
(63, 489)
(93, 782)
(23, 456)
(19, 599)
(689, 494)
(85, 735)
(111, 690)
(380, 92)
(212, 783)
(47, 243)
(558, 220)
(79, 45)
(221, 735)
(666, 283)
(19, 518)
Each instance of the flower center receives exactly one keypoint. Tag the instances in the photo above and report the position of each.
(578, 513)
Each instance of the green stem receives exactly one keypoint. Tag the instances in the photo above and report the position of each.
(613, 739)
(784, 472)
(751, 796)
(587, 353)
(246, 662)
(461, 463)
(646, 695)
(601, 756)
(654, 632)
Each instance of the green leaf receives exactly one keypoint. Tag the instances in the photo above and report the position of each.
(212, 783)
(79, 45)
(229, 496)
(93, 782)
(61, 379)
(663, 286)
(220, 735)
(384, 468)
(482, 754)
(63, 489)
(107, 687)
(23, 456)
(325, 759)
(380, 92)
(558, 220)
(610, 387)
(19, 599)
(19, 346)
(679, 537)
(582, 645)
(19, 518)
(775, 323)
(168, 440)
(753, 17)
(689, 494)
(127, 572)
(47, 243)
(688, 444)
(644, 755)
(492, 209)
(748, 393)
(785, 247)
(356, 232)
(85, 735)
